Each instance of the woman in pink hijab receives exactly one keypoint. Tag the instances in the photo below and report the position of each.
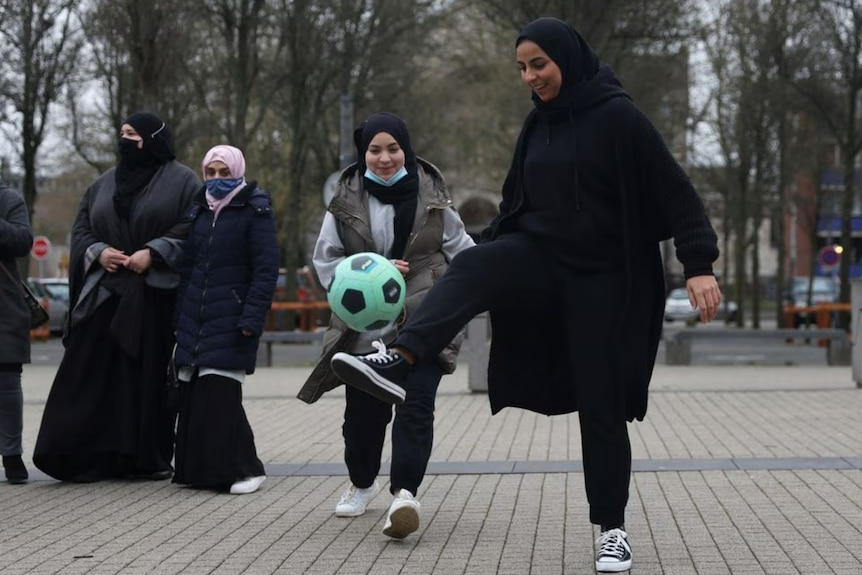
(233, 256)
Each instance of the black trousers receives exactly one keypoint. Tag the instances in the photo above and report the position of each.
(11, 409)
(364, 430)
(495, 276)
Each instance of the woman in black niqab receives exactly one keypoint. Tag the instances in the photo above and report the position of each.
(140, 159)
(107, 414)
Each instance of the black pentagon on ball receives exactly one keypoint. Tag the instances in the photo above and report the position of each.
(353, 300)
(391, 291)
(379, 324)
(362, 263)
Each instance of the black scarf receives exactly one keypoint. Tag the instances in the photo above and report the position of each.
(137, 166)
(404, 194)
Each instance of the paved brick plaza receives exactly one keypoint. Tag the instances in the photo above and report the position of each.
(738, 470)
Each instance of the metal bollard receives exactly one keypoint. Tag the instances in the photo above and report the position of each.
(856, 329)
(479, 342)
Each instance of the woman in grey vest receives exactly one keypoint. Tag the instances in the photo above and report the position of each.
(16, 238)
(395, 204)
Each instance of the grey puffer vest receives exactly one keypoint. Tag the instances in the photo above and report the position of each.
(423, 251)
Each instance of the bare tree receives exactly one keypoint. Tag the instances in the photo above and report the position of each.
(239, 69)
(137, 52)
(823, 63)
(613, 27)
(751, 121)
(37, 55)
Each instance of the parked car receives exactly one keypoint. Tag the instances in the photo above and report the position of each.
(54, 291)
(678, 307)
(824, 289)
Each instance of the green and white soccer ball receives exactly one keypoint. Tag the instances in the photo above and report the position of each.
(367, 292)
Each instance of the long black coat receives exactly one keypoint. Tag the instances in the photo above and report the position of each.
(657, 202)
(16, 238)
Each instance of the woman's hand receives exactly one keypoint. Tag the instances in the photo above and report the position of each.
(112, 259)
(704, 295)
(402, 266)
(140, 261)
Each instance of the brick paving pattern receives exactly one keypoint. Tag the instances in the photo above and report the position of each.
(738, 470)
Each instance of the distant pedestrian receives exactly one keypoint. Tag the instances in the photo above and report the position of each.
(233, 256)
(16, 239)
(396, 204)
(107, 415)
(570, 270)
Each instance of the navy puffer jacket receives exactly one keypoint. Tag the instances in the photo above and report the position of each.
(232, 268)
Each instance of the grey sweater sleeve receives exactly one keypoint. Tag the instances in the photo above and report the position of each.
(455, 236)
(328, 251)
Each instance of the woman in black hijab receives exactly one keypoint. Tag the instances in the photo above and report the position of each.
(396, 204)
(106, 415)
(591, 193)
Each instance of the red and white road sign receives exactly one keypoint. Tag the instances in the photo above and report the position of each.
(829, 257)
(41, 248)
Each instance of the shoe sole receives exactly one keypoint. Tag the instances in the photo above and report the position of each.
(356, 374)
(614, 567)
(349, 513)
(403, 521)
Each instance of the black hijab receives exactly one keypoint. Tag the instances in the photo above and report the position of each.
(403, 195)
(578, 62)
(137, 166)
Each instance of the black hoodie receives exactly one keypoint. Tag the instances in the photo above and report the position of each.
(593, 180)
(570, 197)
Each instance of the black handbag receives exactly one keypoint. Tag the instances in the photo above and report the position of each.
(38, 314)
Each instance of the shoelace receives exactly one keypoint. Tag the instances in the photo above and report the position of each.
(382, 356)
(611, 543)
(352, 496)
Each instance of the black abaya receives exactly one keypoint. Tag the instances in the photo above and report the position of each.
(107, 414)
(215, 443)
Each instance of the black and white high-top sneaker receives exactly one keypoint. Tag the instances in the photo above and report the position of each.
(381, 373)
(614, 552)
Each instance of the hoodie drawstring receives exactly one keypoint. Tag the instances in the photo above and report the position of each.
(575, 162)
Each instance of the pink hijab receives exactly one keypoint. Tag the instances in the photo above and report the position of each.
(233, 159)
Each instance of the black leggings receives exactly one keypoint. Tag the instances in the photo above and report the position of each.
(496, 276)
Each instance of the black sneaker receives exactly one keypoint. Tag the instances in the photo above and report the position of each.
(16, 471)
(614, 553)
(381, 374)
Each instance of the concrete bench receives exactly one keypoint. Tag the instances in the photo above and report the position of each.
(268, 338)
(678, 342)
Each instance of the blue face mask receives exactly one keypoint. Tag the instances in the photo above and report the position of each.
(220, 187)
(386, 183)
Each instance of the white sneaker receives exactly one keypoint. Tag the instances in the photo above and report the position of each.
(403, 516)
(247, 485)
(354, 501)
(615, 553)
